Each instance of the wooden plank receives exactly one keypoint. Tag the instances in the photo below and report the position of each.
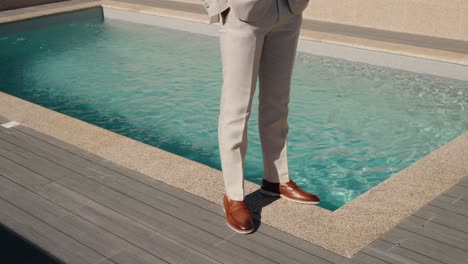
(74, 226)
(267, 236)
(396, 254)
(463, 182)
(159, 185)
(101, 240)
(142, 187)
(443, 217)
(20, 197)
(435, 231)
(103, 167)
(133, 258)
(269, 241)
(363, 258)
(94, 185)
(6, 185)
(30, 160)
(204, 219)
(47, 238)
(58, 154)
(91, 235)
(458, 191)
(178, 229)
(451, 204)
(138, 234)
(53, 214)
(288, 244)
(151, 184)
(44, 150)
(19, 174)
(425, 246)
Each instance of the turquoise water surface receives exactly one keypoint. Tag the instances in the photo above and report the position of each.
(352, 125)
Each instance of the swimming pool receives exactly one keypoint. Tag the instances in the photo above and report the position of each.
(352, 125)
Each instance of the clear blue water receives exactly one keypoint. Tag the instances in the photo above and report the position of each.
(352, 125)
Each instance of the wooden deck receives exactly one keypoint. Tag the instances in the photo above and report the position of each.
(80, 208)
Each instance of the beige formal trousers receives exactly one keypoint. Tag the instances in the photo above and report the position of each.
(263, 49)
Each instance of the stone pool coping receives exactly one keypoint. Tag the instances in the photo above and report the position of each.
(344, 231)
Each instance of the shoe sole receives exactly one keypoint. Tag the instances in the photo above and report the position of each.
(272, 194)
(237, 230)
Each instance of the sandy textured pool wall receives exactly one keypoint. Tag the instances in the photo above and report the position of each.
(435, 18)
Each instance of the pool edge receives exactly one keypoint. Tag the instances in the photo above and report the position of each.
(398, 56)
(341, 231)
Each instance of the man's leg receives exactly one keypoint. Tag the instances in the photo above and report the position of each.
(241, 46)
(276, 67)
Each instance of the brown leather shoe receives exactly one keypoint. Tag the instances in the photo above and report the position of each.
(288, 190)
(238, 216)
